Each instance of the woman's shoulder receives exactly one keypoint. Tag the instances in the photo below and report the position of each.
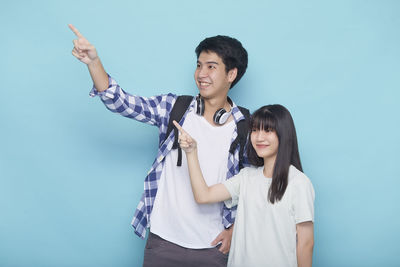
(297, 177)
(254, 170)
(250, 171)
(251, 168)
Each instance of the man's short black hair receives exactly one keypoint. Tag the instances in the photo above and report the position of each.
(229, 50)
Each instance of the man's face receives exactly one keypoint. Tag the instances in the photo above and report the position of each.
(211, 77)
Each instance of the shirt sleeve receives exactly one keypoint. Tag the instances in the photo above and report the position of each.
(233, 187)
(150, 110)
(303, 200)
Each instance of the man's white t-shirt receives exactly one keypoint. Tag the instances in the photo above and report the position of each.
(265, 233)
(176, 216)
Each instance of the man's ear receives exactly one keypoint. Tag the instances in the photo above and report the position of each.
(232, 75)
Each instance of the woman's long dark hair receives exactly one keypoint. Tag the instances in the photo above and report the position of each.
(276, 118)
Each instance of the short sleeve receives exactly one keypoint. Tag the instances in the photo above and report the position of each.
(303, 200)
(233, 187)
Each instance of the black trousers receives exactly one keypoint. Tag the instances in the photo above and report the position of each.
(162, 253)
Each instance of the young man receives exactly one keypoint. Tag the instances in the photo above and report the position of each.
(183, 233)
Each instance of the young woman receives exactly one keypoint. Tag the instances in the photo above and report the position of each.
(275, 213)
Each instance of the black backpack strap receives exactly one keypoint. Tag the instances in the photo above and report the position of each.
(178, 110)
(242, 130)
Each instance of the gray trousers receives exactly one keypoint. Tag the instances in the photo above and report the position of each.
(162, 253)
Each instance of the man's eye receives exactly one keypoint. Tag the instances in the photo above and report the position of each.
(211, 67)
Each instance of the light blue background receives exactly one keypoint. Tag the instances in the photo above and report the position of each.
(71, 173)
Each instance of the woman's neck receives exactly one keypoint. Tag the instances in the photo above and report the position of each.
(269, 164)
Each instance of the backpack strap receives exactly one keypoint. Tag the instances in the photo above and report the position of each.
(178, 110)
(242, 131)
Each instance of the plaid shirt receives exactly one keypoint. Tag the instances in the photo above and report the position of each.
(155, 111)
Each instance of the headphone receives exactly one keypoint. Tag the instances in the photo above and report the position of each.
(220, 116)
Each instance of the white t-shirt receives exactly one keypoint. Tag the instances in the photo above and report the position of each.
(265, 234)
(176, 216)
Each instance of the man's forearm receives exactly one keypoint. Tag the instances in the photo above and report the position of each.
(98, 74)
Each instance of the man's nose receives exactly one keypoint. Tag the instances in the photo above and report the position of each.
(203, 72)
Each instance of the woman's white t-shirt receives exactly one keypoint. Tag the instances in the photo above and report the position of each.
(265, 234)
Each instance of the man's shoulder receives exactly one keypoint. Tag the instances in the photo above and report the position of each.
(180, 104)
(240, 112)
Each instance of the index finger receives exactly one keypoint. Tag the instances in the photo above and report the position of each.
(75, 30)
(180, 129)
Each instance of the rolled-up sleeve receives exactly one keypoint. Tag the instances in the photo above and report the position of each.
(144, 109)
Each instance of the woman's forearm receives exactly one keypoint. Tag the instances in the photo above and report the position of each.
(199, 186)
(304, 254)
(201, 191)
(305, 243)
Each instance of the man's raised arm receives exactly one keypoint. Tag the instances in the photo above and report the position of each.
(86, 53)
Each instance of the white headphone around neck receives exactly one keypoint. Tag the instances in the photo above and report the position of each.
(220, 116)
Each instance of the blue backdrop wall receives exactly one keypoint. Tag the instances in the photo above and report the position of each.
(71, 173)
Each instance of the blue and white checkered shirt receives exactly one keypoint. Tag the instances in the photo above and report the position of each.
(155, 111)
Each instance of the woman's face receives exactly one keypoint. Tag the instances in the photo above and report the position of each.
(265, 143)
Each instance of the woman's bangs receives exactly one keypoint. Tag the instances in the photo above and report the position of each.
(265, 121)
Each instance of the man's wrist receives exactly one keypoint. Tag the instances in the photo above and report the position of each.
(230, 227)
(94, 62)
